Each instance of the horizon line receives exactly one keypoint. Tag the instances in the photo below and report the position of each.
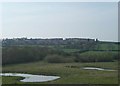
(58, 38)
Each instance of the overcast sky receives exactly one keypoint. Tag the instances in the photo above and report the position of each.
(61, 19)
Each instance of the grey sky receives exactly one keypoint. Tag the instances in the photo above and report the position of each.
(61, 19)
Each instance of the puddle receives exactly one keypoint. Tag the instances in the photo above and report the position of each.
(95, 68)
(32, 78)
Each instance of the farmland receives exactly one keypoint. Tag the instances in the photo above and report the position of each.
(68, 75)
(63, 58)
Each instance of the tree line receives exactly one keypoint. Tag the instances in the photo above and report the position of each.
(23, 54)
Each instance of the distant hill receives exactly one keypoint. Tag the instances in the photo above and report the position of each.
(52, 41)
(69, 43)
(58, 50)
(101, 45)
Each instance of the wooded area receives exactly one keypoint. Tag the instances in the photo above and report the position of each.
(73, 51)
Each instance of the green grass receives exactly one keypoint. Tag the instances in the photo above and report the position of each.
(11, 80)
(70, 50)
(68, 75)
(106, 46)
(100, 53)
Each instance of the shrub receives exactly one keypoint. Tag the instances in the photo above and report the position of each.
(23, 54)
(96, 56)
(58, 59)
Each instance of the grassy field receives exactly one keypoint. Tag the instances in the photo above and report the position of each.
(107, 46)
(70, 50)
(70, 73)
(101, 54)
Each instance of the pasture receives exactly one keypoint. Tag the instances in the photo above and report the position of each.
(70, 73)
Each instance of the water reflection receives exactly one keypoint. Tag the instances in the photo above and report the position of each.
(32, 78)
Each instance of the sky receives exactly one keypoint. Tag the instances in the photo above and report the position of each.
(60, 19)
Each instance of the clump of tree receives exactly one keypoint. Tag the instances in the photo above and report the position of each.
(22, 54)
(97, 56)
(59, 59)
